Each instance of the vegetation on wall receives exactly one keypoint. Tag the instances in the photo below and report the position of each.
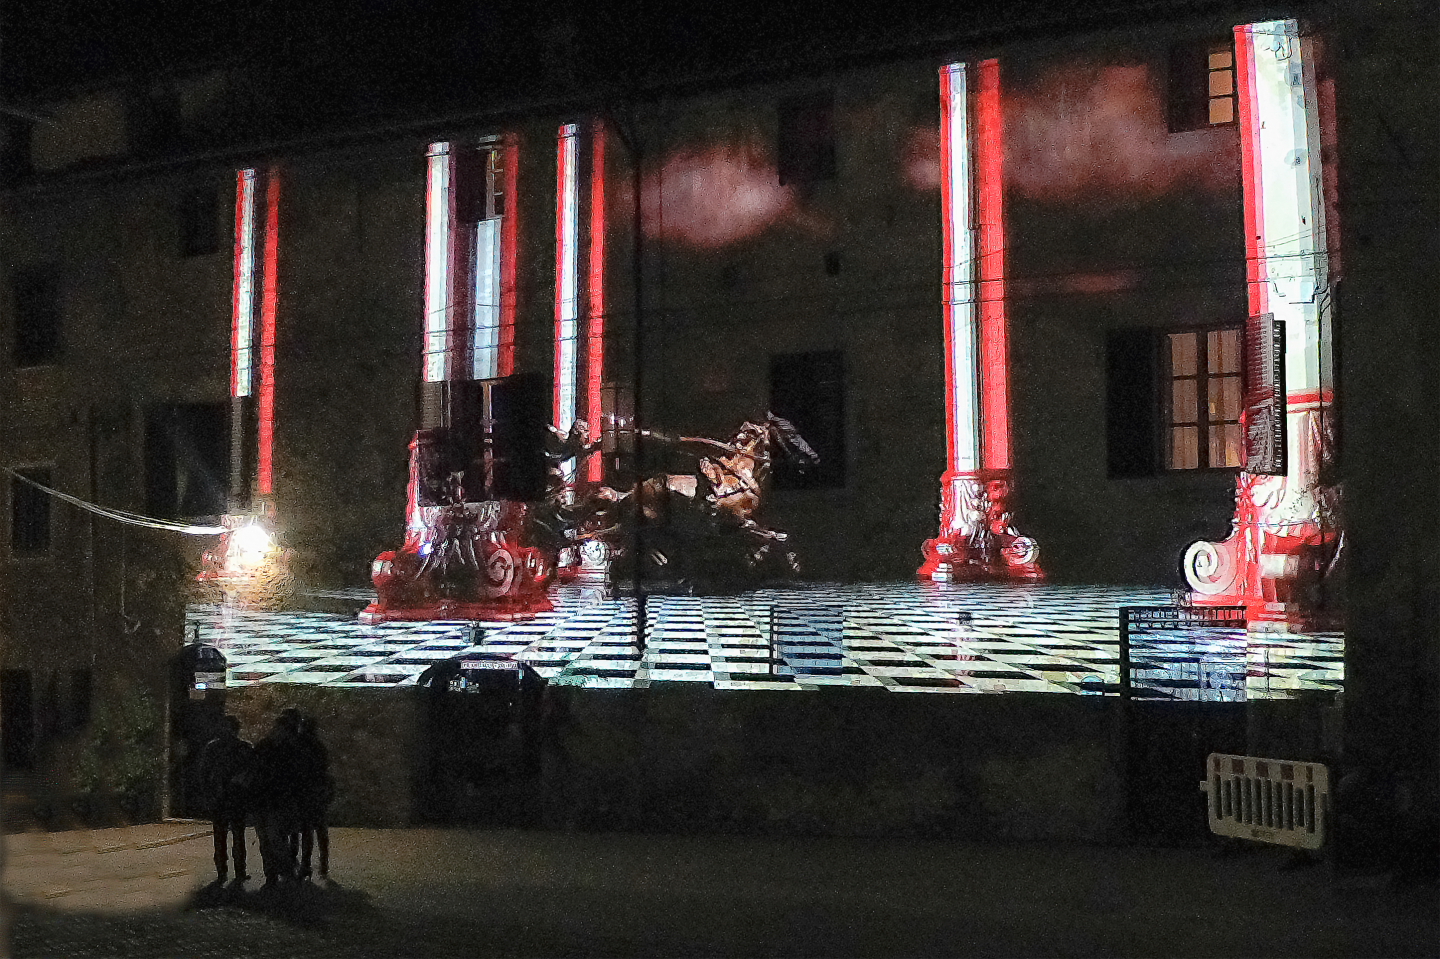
(123, 754)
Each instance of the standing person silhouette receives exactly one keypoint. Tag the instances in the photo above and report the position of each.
(280, 769)
(317, 793)
(227, 768)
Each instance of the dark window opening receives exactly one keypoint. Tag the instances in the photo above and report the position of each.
(808, 389)
(17, 719)
(1202, 85)
(1131, 405)
(37, 318)
(15, 137)
(29, 512)
(1173, 400)
(81, 694)
(806, 143)
(187, 460)
(199, 221)
(479, 184)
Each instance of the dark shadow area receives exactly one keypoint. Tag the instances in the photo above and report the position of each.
(310, 905)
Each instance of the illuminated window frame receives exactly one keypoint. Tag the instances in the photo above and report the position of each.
(567, 276)
(470, 240)
(242, 331)
(1202, 397)
(1202, 85)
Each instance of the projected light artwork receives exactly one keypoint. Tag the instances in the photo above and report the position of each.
(1285, 548)
(247, 572)
(702, 528)
(468, 553)
(242, 334)
(269, 298)
(470, 238)
(714, 195)
(978, 539)
(595, 316)
(1083, 132)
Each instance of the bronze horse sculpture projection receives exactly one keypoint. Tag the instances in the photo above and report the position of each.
(696, 530)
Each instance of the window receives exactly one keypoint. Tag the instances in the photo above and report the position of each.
(17, 718)
(1202, 409)
(29, 513)
(468, 262)
(1173, 400)
(808, 389)
(199, 214)
(806, 144)
(1131, 407)
(37, 317)
(1202, 85)
(81, 691)
(187, 460)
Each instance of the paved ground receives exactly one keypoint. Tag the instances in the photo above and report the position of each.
(421, 892)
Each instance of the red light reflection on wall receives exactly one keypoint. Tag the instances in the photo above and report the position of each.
(268, 301)
(1250, 165)
(509, 249)
(242, 331)
(947, 239)
(595, 312)
(920, 158)
(990, 218)
(1102, 130)
(716, 195)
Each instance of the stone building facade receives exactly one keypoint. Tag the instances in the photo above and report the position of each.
(792, 250)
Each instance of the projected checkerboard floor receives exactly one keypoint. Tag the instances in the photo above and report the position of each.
(902, 637)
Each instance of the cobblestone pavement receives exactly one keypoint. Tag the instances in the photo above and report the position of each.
(430, 892)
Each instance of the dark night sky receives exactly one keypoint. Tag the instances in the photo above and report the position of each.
(324, 57)
(45, 42)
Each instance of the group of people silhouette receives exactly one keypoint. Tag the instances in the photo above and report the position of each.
(281, 785)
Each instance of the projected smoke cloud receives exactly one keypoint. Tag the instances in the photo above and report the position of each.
(1101, 131)
(717, 194)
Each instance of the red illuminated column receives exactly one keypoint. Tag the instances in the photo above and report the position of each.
(567, 276)
(269, 298)
(230, 564)
(595, 312)
(509, 252)
(978, 539)
(1285, 539)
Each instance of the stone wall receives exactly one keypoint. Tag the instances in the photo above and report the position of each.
(372, 735)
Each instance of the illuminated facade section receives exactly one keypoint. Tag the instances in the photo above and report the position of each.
(242, 326)
(978, 539)
(269, 300)
(485, 323)
(595, 314)
(1285, 540)
(990, 265)
(439, 215)
(567, 277)
(470, 236)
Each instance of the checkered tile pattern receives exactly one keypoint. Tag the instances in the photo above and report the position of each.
(903, 637)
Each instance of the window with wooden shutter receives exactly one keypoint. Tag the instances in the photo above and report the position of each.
(1265, 437)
